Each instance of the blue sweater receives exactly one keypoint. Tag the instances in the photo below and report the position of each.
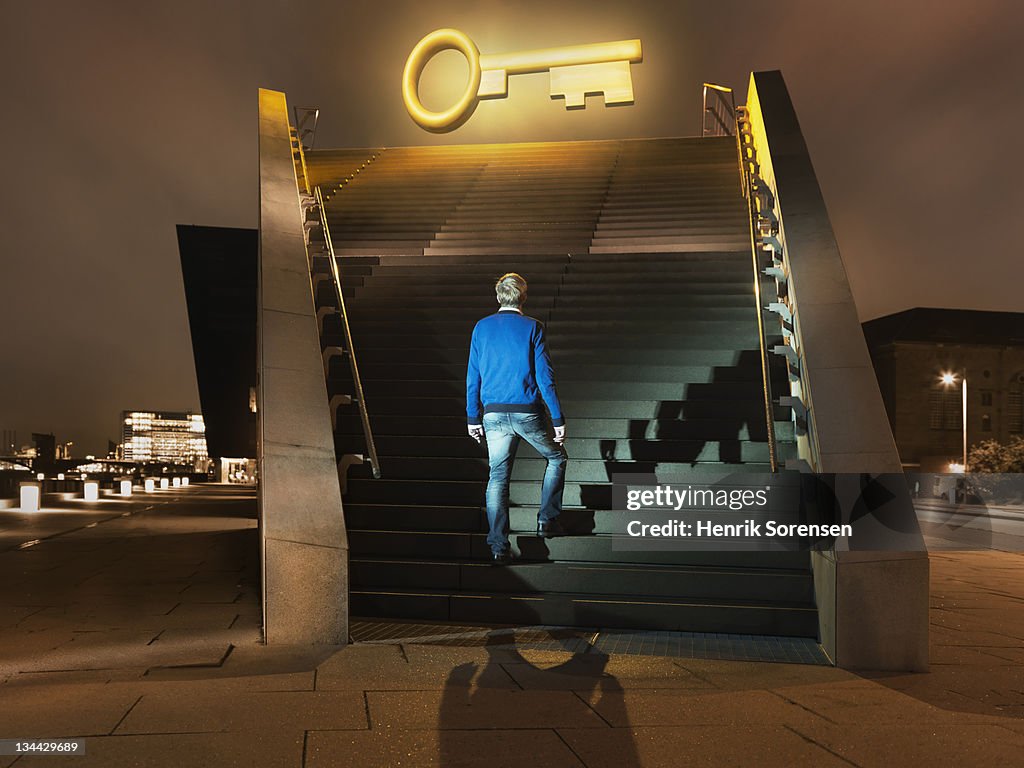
(510, 369)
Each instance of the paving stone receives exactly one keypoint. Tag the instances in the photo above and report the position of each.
(465, 707)
(385, 667)
(212, 616)
(492, 748)
(749, 675)
(236, 710)
(11, 615)
(589, 672)
(78, 676)
(634, 708)
(113, 649)
(259, 659)
(863, 702)
(210, 593)
(45, 711)
(104, 615)
(272, 748)
(942, 742)
(186, 680)
(764, 746)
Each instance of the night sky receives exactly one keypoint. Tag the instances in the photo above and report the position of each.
(123, 119)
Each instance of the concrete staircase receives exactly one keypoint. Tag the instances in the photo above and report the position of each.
(638, 261)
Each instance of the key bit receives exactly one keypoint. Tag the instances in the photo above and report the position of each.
(577, 82)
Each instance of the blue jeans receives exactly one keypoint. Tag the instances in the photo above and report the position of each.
(503, 432)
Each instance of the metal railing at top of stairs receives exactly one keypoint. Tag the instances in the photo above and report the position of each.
(303, 135)
(718, 115)
(349, 351)
(306, 119)
(726, 121)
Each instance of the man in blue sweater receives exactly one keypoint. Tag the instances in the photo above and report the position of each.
(508, 382)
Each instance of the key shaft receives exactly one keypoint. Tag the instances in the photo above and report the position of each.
(543, 59)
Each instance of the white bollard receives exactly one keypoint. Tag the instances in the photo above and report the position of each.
(91, 490)
(184, 481)
(150, 485)
(60, 475)
(40, 476)
(164, 483)
(176, 482)
(30, 495)
(126, 487)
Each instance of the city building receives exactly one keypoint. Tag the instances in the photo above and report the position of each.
(174, 437)
(922, 357)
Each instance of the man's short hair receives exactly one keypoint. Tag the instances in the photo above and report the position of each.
(510, 290)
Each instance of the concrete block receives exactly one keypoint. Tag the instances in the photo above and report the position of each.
(306, 593)
(289, 341)
(882, 614)
(295, 407)
(301, 488)
(849, 416)
(831, 333)
(285, 290)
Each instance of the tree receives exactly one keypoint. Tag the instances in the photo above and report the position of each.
(991, 456)
(997, 470)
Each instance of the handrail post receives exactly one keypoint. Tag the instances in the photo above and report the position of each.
(364, 415)
(747, 184)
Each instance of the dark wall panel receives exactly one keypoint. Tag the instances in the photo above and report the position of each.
(219, 265)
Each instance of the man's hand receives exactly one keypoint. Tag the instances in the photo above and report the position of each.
(560, 434)
(476, 431)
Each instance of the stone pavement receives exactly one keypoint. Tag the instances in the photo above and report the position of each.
(134, 625)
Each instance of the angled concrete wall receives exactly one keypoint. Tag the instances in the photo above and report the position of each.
(302, 529)
(872, 594)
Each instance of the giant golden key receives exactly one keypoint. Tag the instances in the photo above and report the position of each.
(576, 71)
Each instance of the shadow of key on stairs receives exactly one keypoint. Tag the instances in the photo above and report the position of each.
(638, 262)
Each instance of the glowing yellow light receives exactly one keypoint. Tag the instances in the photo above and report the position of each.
(576, 71)
(91, 490)
(956, 468)
(164, 483)
(30, 494)
(150, 485)
(126, 487)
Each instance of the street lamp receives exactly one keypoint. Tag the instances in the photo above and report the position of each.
(948, 379)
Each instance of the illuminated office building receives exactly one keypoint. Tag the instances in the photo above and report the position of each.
(179, 438)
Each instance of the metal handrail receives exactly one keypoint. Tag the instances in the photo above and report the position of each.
(724, 124)
(299, 158)
(747, 171)
(298, 133)
(350, 350)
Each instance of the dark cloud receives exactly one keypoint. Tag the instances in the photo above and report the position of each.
(124, 119)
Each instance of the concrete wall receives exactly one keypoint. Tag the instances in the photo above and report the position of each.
(872, 593)
(302, 529)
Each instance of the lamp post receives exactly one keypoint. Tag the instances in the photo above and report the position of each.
(949, 379)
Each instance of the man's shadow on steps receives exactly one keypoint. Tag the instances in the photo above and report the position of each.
(596, 696)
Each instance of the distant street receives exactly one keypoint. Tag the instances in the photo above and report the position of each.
(971, 526)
